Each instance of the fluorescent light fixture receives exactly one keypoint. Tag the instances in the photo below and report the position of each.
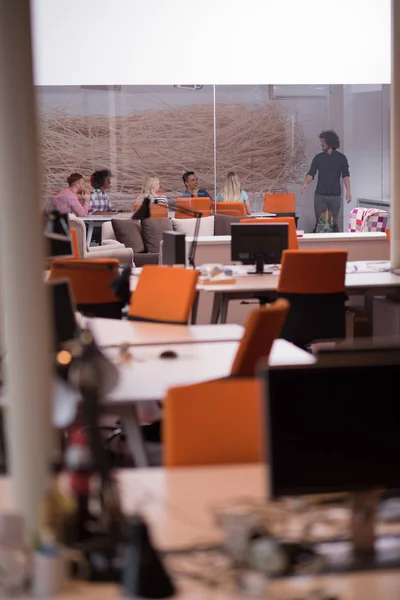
(298, 91)
(189, 87)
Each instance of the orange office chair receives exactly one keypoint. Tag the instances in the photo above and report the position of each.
(202, 205)
(263, 326)
(163, 295)
(75, 243)
(90, 281)
(234, 209)
(74, 246)
(292, 235)
(279, 203)
(217, 422)
(388, 234)
(314, 283)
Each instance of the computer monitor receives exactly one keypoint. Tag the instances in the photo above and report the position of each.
(56, 222)
(333, 428)
(57, 246)
(258, 243)
(64, 323)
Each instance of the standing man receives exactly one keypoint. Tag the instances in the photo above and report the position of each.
(192, 188)
(331, 165)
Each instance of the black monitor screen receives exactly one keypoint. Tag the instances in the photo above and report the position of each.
(64, 323)
(56, 222)
(58, 246)
(333, 429)
(250, 240)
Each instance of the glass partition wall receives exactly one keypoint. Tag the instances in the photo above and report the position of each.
(266, 134)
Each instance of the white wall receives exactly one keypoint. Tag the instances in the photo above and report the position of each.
(367, 142)
(211, 42)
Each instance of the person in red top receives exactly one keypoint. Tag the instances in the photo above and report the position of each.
(67, 201)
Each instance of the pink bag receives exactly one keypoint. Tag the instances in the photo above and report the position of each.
(368, 219)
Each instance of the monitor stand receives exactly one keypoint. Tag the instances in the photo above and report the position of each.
(364, 551)
(259, 262)
(363, 506)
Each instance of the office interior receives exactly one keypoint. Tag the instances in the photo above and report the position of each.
(145, 129)
(185, 448)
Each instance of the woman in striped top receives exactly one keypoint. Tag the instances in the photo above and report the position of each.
(150, 188)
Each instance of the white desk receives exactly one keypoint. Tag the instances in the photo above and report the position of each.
(144, 382)
(359, 246)
(177, 504)
(360, 279)
(148, 377)
(109, 332)
(93, 221)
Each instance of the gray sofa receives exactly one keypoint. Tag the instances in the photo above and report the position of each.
(144, 239)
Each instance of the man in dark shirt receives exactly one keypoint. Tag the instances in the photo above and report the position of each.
(331, 165)
(192, 188)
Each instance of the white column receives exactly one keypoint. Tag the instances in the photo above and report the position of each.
(395, 139)
(28, 366)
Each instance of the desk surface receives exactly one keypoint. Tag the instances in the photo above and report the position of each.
(178, 506)
(108, 332)
(360, 276)
(147, 377)
(107, 217)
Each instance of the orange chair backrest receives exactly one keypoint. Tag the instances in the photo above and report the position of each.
(202, 205)
(90, 280)
(313, 272)
(218, 422)
(75, 243)
(234, 209)
(157, 211)
(263, 326)
(163, 294)
(292, 235)
(388, 234)
(279, 203)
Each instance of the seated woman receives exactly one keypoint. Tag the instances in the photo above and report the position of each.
(232, 192)
(150, 188)
(99, 199)
(73, 200)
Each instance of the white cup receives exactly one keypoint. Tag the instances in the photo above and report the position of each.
(48, 574)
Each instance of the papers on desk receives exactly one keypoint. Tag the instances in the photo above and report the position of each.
(376, 266)
(217, 274)
(219, 279)
(240, 270)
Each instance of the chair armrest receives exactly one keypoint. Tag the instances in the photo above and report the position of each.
(124, 255)
(112, 243)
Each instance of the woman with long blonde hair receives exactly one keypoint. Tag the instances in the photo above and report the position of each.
(150, 188)
(232, 192)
